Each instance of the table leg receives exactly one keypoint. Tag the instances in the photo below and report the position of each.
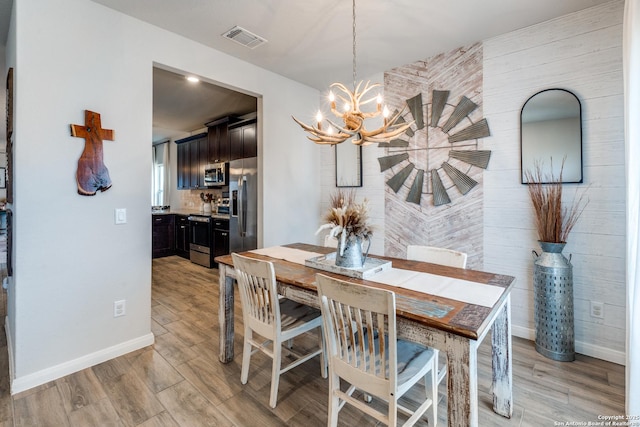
(462, 379)
(501, 362)
(225, 314)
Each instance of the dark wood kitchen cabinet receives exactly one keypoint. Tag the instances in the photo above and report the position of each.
(182, 236)
(218, 137)
(221, 242)
(162, 235)
(193, 154)
(243, 142)
(220, 237)
(184, 166)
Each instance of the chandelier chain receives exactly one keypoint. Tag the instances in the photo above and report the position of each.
(354, 44)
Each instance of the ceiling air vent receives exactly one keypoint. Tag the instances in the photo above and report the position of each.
(244, 37)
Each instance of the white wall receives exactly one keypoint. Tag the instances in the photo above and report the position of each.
(71, 261)
(580, 52)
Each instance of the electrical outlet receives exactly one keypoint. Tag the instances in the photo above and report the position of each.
(119, 308)
(597, 309)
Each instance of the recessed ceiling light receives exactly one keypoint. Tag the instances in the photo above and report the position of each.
(193, 79)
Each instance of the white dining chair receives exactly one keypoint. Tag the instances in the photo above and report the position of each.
(363, 350)
(437, 255)
(330, 241)
(443, 256)
(274, 318)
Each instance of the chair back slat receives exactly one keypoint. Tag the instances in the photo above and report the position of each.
(363, 350)
(258, 294)
(359, 322)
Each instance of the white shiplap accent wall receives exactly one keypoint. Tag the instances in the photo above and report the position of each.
(581, 52)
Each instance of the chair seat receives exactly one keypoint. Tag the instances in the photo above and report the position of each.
(412, 358)
(293, 314)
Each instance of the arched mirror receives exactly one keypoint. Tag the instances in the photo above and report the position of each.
(550, 132)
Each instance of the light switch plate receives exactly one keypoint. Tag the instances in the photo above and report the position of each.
(121, 216)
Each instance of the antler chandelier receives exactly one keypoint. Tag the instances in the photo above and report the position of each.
(352, 116)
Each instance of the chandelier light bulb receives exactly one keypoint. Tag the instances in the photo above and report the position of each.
(332, 97)
(346, 107)
(385, 112)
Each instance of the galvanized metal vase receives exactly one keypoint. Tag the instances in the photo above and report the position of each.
(351, 255)
(553, 295)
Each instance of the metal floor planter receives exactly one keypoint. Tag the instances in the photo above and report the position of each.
(553, 294)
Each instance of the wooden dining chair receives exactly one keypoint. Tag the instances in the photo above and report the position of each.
(363, 350)
(274, 318)
(330, 241)
(442, 256)
(437, 255)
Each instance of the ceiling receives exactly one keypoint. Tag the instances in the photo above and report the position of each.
(180, 106)
(311, 41)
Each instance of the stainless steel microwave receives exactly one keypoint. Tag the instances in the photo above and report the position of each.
(215, 175)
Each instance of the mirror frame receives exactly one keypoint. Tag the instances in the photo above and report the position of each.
(350, 156)
(580, 160)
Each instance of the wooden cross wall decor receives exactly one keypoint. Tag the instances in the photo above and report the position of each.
(92, 174)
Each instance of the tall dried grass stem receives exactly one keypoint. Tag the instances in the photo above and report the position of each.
(554, 221)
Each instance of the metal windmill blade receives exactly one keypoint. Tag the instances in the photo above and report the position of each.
(464, 107)
(462, 181)
(387, 162)
(479, 158)
(475, 131)
(396, 181)
(438, 101)
(415, 193)
(440, 196)
(415, 106)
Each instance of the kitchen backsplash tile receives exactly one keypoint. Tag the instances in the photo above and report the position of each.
(190, 199)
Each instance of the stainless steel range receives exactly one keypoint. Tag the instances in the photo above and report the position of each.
(201, 231)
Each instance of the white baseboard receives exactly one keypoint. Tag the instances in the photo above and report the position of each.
(7, 332)
(587, 349)
(54, 372)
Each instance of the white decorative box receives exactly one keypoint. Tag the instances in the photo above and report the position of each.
(327, 262)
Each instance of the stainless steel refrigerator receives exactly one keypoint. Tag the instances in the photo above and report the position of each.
(243, 192)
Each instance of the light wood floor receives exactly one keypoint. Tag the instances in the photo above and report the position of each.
(179, 382)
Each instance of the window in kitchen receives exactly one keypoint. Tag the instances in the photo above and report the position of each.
(160, 175)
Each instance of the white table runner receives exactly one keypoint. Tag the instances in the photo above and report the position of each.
(442, 286)
(297, 256)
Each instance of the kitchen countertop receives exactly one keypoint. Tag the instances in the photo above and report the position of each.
(187, 212)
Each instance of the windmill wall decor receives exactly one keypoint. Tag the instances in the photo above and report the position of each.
(442, 143)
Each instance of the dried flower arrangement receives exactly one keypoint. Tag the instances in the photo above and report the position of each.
(553, 221)
(347, 219)
(207, 198)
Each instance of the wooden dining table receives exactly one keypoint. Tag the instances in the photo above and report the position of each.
(448, 323)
